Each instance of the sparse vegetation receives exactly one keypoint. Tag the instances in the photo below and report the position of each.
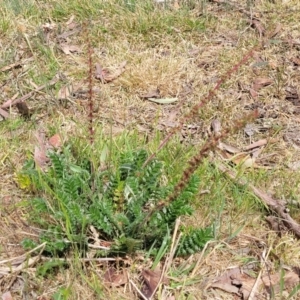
(100, 186)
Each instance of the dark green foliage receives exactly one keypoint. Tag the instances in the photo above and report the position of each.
(56, 243)
(122, 204)
(28, 244)
(194, 240)
(50, 267)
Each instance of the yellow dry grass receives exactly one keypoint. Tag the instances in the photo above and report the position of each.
(182, 51)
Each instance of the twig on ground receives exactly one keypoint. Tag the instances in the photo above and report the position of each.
(24, 255)
(170, 257)
(174, 245)
(275, 205)
(137, 289)
(256, 144)
(200, 258)
(16, 64)
(98, 247)
(102, 259)
(263, 263)
(4, 113)
(22, 260)
(11, 102)
(28, 263)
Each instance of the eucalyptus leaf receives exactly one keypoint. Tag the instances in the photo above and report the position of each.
(163, 100)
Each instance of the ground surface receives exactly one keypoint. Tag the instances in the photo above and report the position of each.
(177, 52)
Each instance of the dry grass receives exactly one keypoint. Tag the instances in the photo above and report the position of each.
(182, 52)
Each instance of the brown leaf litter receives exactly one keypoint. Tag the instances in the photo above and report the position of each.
(261, 82)
(4, 113)
(276, 224)
(18, 64)
(43, 145)
(256, 23)
(292, 96)
(275, 205)
(72, 27)
(151, 280)
(17, 264)
(55, 141)
(12, 102)
(70, 49)
(106, 75)
(24, 110)
(115, 278)
(246, 157)
(155, 93)
(65, 92)
(237, 281)
(40, 151)
(292, 136)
